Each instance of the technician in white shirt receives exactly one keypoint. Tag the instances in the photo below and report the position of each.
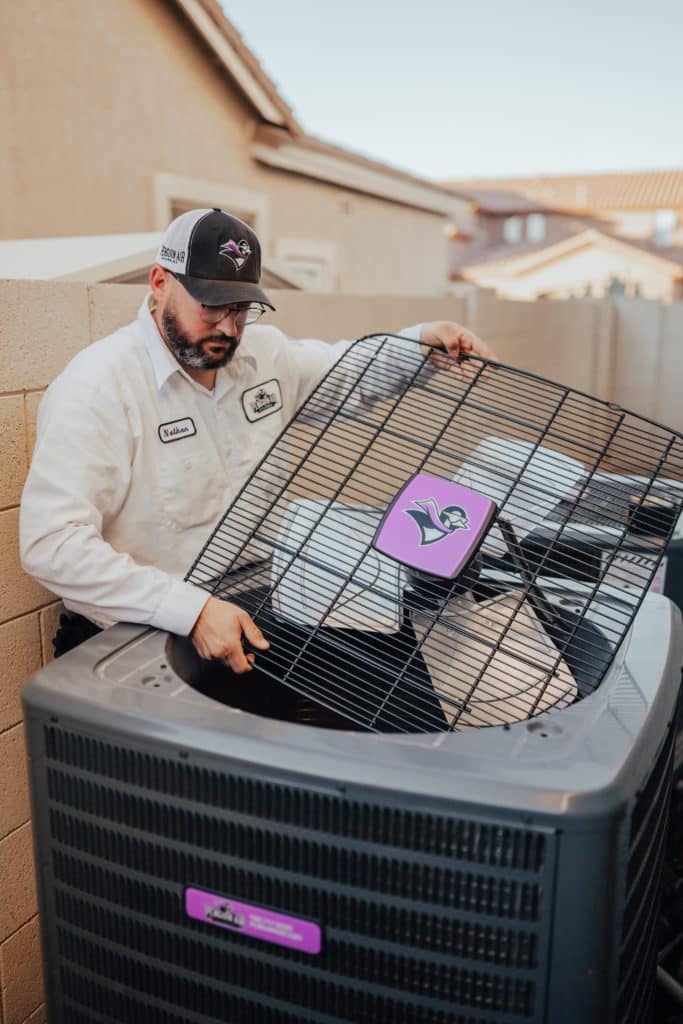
(147, 436)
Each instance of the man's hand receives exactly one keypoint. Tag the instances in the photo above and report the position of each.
(218, 633)
(455, 339)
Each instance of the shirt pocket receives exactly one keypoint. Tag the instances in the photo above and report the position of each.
(192, 484)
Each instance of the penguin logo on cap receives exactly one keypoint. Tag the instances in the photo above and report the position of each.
(237, 252)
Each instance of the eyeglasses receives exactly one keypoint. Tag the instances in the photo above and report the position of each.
(242, 313)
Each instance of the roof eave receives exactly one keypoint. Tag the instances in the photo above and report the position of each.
(238, 61)
(310, 158)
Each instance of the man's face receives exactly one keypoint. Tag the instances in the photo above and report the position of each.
(193, 342)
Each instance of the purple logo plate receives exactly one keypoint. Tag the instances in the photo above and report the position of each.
(258, 922)
(434, 525)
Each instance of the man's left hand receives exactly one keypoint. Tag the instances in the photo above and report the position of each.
(455, 339)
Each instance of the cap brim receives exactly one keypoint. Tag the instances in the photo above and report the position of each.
(220, 293)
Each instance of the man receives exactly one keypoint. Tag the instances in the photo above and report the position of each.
(148, 435)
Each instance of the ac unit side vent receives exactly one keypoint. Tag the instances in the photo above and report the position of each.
(479, 894)
(438, 976)
(491, 845)
(89, 1001)
(378, 921)
(338, 1002)
(250, 838)
(121, 1007)
(638, 954)
(649, 801)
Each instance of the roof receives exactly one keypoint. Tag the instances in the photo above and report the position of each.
(281, 142)
(235, 57)
(514, 263)
(324, 161)
(652, 190)
(496, 201)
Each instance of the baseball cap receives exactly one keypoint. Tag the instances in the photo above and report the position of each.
(215, 256)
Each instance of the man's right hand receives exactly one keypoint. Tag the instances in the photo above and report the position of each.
(218, 633)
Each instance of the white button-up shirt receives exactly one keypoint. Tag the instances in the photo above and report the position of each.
(135, 462)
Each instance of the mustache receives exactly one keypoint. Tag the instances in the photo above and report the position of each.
(230, 339)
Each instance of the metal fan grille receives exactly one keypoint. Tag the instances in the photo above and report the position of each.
(587, 493)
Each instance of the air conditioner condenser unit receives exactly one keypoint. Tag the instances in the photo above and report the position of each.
(441, 797)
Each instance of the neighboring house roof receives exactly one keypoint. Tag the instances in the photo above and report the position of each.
(522, 263)
(280, 142)
(481, 251)
(496, 201)
(97, 258)
(652, 190)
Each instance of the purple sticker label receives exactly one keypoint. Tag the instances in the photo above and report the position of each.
(258, 922)
(434, 525)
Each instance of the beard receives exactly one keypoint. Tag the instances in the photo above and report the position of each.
(192, 353)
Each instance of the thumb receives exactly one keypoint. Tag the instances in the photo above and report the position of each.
(252, 633)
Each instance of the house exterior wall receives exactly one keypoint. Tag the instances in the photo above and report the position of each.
(486, 232)
(135, 99)
(640, 224)
(130, 94)
(587, 271)
(493, 225)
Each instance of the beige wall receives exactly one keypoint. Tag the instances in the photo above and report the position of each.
(96, 115)
(628, 351)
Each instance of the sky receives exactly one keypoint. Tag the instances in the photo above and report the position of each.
(447, 89)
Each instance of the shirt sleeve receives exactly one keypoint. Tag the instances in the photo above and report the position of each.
(79, 477)
(395, 363)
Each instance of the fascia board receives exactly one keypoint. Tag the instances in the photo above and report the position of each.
(268, 110)
(324, 167)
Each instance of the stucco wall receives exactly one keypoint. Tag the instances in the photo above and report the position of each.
(130, 93)
(134, 94)
(625, 351)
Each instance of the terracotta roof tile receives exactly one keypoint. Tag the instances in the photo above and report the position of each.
(632, 190)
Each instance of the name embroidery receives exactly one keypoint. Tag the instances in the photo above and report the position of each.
(176, 430)
(262, 400)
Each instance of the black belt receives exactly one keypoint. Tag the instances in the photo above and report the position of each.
(73, 630)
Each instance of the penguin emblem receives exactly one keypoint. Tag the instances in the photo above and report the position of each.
(237, 252)
(436, 524)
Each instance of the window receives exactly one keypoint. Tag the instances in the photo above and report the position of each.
(512, 230)
(179, 206)
(664, 226)
(310, 263)
(174, 194)
(535, 227)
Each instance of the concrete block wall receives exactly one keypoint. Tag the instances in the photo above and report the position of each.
(42, 325)
(627, 352)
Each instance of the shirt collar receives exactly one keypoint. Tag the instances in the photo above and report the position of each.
(165, 364)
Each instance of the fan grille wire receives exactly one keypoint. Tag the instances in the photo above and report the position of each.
(558, 578)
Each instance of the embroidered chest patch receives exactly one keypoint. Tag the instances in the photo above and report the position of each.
(176, 430)
(262, 400)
